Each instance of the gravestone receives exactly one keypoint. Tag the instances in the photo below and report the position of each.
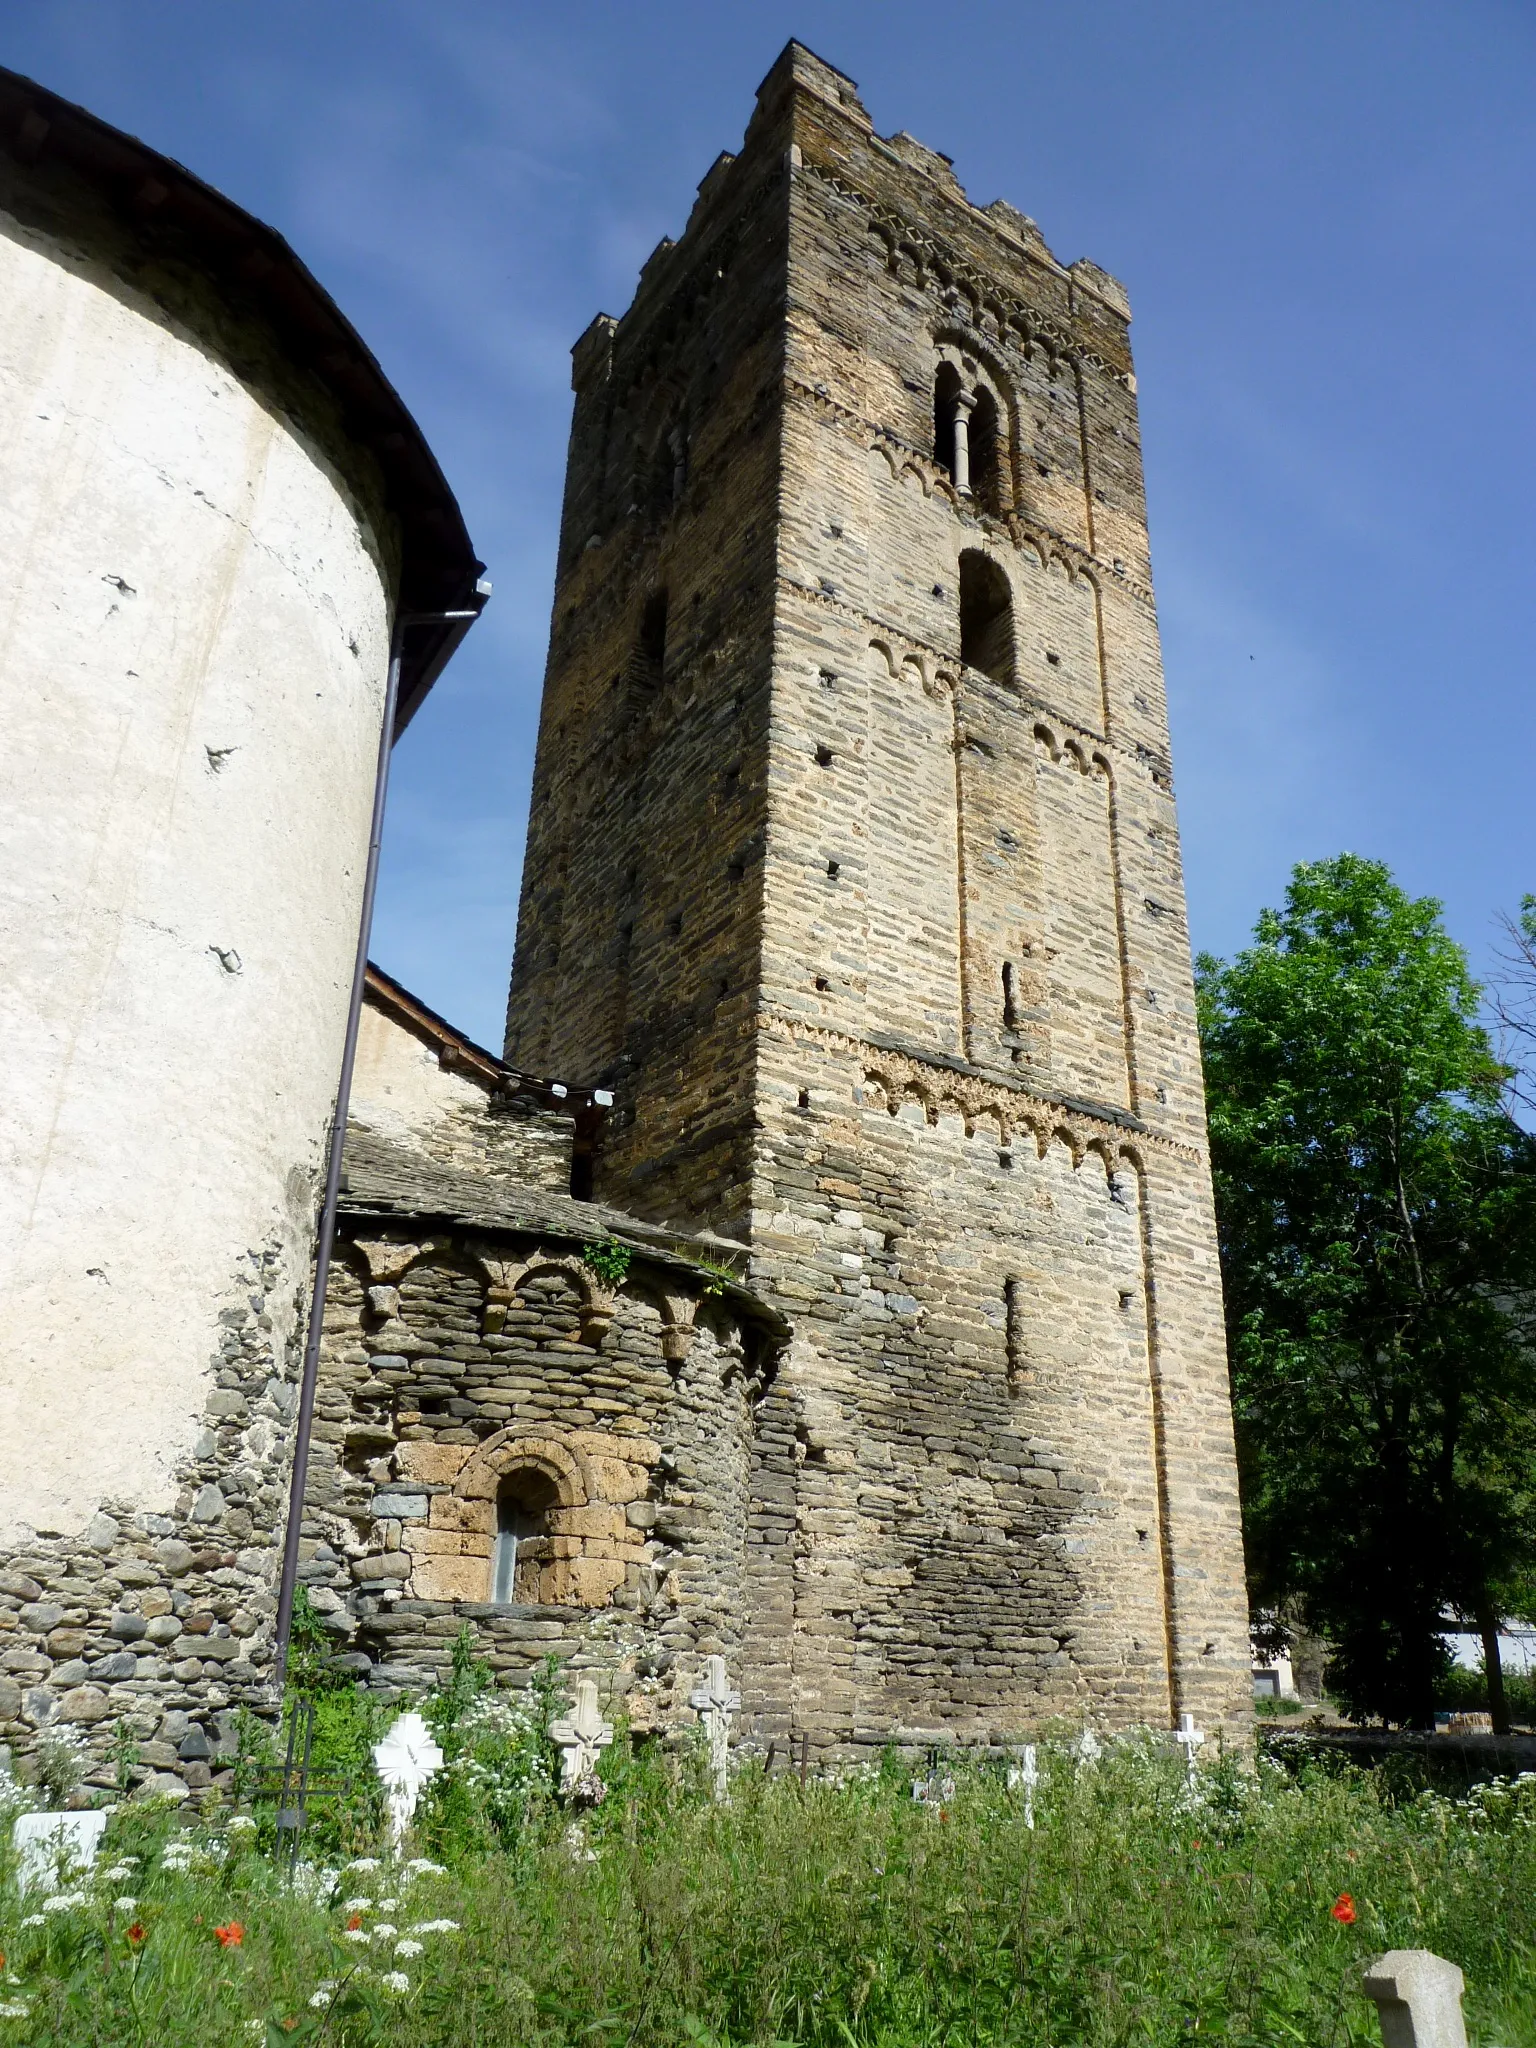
(48, 1842)
(1089, 1747)
(1026, 1775)
(1418, 1999)
(581, 1737)
(716, 1706)
(1189, 1739)
(407, 1760)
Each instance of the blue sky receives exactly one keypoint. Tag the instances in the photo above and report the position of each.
(1322, 212)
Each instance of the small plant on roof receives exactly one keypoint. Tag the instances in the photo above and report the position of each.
(720, 1274)
(609, 1259)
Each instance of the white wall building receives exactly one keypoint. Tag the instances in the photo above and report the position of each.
(213, 508)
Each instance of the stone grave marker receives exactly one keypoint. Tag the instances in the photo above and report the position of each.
(47, 1842)
(407, 1760)
(1026, 1775)
(716, 1706)
(1418, 1999)
(581, 1737)
(1089, 1747)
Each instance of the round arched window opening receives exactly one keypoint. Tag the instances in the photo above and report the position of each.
(522, 1545)
(986, 617)
(986, 450)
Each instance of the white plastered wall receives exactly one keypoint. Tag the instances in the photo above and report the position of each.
(193, 639)
(402, 1090)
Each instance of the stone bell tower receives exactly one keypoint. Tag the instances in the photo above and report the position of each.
(853, 869)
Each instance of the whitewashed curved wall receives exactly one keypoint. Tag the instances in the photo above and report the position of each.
(193, 641)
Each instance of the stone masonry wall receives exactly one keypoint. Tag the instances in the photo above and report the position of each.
(878, 933)
(455, 1357)
(150, 1631)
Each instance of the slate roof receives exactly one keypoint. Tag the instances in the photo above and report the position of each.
(394, 1182)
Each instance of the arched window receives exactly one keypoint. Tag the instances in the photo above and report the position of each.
(946, 395)
(522, 1545)
(986, 452)
(986, 617)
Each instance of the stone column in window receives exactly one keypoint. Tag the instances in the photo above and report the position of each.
(964, 403)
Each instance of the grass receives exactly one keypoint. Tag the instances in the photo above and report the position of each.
(831, 1916)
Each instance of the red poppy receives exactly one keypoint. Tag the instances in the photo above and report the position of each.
(231, 1934)
(354, 1923)
(1196, 1844)
(136, 1932)
(1343, 1910)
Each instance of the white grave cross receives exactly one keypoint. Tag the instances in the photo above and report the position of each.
(48, 1843)
(407, 1760)
(716, 1706)
(1189, 1739)
(1026, 1774)
(581, 1736)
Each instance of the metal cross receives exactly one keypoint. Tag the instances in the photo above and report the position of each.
(407, 1760)
(1189, 1739)
(716, 1706)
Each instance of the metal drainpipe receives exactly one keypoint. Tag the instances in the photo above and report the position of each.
(327, 1234)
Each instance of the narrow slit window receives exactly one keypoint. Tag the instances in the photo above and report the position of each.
(1010, 997)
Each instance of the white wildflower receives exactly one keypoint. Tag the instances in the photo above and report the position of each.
(120, 1872)
(395, 1980)
(65, 1902)
(355, 1934)
(323, 1993)
(363, 1863)
(13, 2009)
(241, 1824)
(407, 1948)
(423, 1866)
(388, 1905)
(312, 1881)
(124, 1904)
(436, 1927)
(34, 1920)
(359, 1905)
(384, 1930)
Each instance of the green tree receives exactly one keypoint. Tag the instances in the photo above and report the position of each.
(1377, 1214)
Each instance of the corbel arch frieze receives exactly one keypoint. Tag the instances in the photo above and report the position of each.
(386, 1261)
(678, 1326)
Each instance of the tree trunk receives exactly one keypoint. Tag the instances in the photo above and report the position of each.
(1488, 1629)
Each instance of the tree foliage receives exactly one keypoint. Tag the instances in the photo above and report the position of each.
(1377, 1216)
